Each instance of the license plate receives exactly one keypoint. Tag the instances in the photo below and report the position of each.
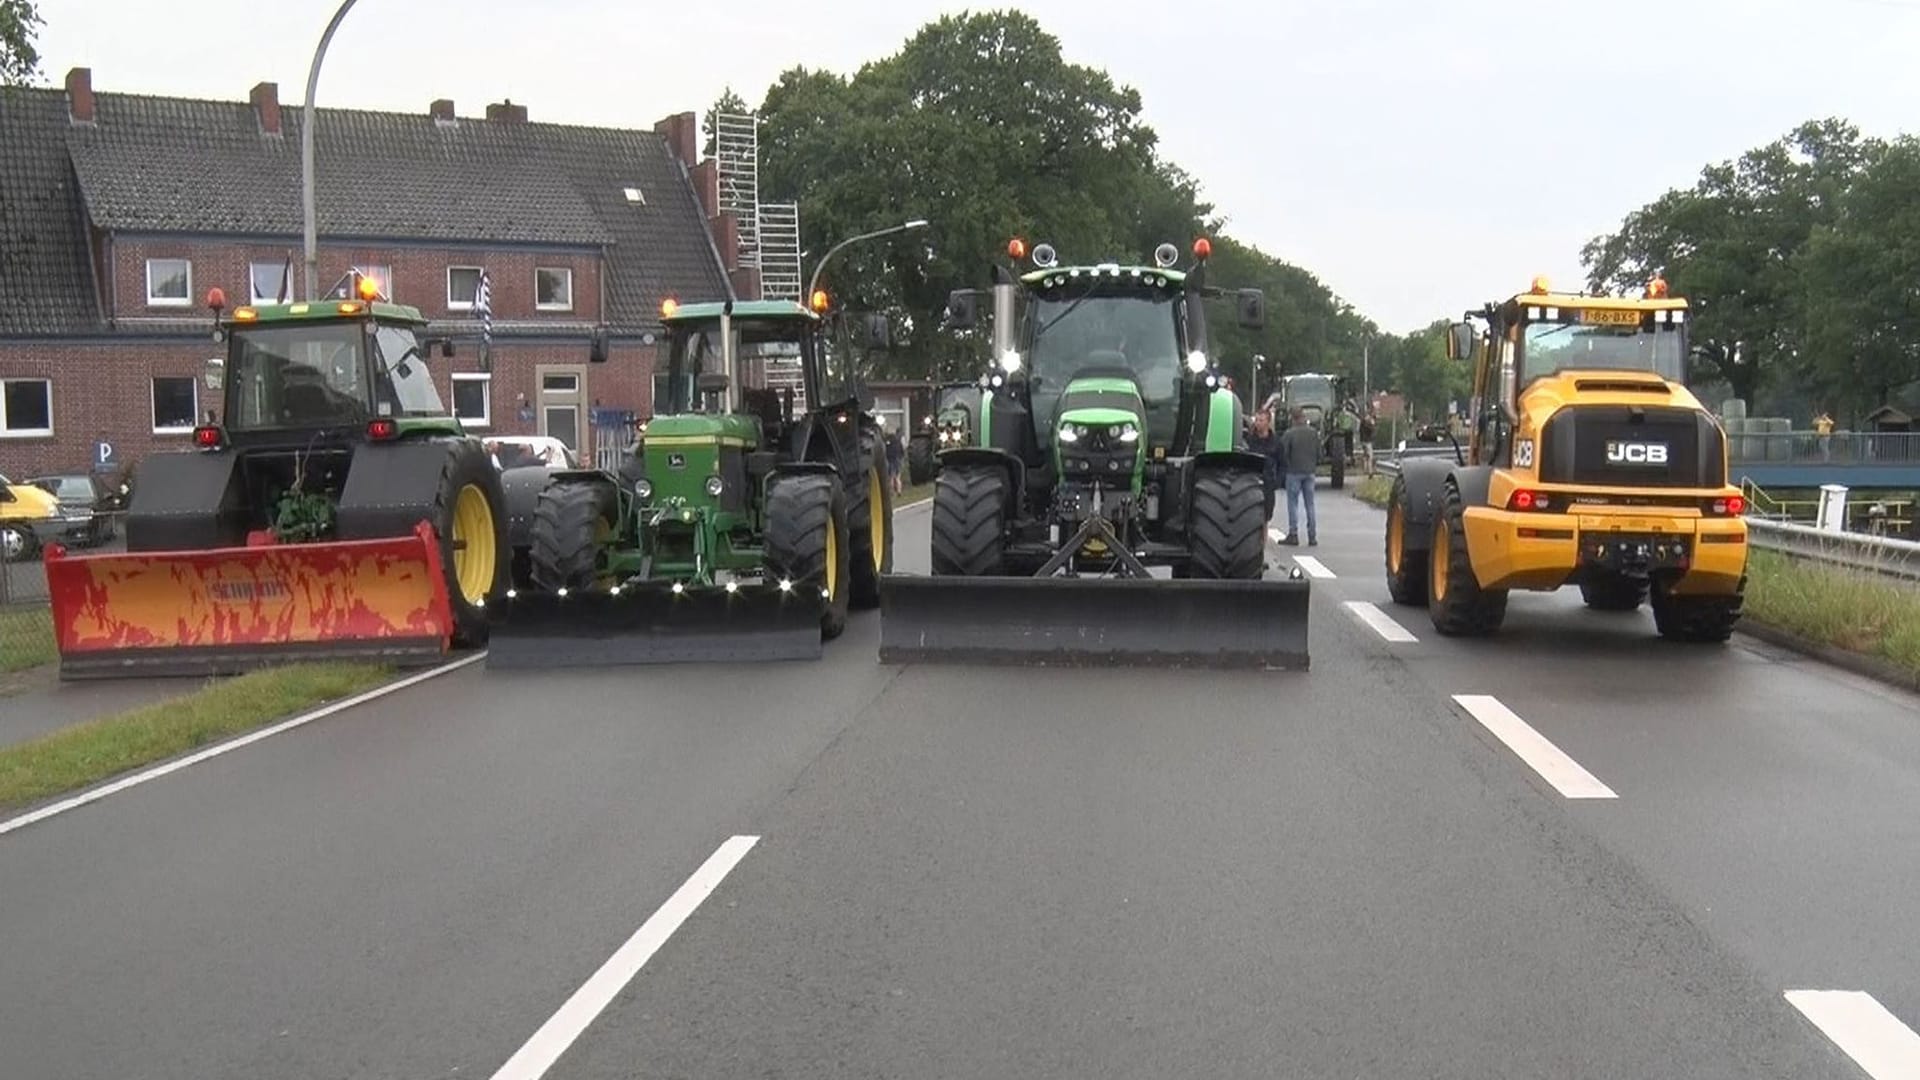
(1609, 317)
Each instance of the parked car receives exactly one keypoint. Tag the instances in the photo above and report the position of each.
(521, 451)
(92, 505)
(28, 517)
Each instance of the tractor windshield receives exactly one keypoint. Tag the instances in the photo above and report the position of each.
(406, 385)
(1636, 343)
(695, 350)
(1138, 331)
(1310, 392)
(297, 376)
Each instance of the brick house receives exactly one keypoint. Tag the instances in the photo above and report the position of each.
(118, 212)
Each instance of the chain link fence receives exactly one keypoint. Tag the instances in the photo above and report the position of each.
(26, 623)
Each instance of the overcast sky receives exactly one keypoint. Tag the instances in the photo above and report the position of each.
(1420, 157)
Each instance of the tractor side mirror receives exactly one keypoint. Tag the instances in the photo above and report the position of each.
(712, 382)
(597, 349)
(216, 372)
(963, 309)
(878, 331)
(1460, 341)
(1250, 307)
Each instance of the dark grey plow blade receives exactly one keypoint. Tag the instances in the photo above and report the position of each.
(1094, 622)
(652, 626)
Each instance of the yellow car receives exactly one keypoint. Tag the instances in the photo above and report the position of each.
(27, 515)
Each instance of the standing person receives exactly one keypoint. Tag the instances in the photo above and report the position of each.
(896, 453)
(1300, 451)
(1263, 440)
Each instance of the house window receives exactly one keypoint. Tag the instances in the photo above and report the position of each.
(463, 284)
(269, 282)
(553, 289)
(169, 283)
(472, 394)
(175, 404)
(381, 275)
(26, 407)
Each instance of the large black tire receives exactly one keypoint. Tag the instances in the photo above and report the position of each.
(1339, 448)
(571, 526)
(920, 460)
(1697, 619)
(1613, 593)
(970, 522)
(808, 541)
(1406, 570)
(1455, 600)
(1228, 525)
(469, 516)
(872, 552)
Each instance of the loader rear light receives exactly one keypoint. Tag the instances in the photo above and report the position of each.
(1731, 506)
(207, 437)
(382, 429)
(1529, 500)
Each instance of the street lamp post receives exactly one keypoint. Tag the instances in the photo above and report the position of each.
(306, 154)
(814, 282)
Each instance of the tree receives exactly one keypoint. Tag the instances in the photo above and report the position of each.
(19, 61)
(1732, 244)
(729, 102)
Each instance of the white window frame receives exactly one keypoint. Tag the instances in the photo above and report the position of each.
(153, 411)
(252, 292)
(467, 304)
(170, 301)
(537, 271)
(384, 276)
(7, 432)
(485, 419)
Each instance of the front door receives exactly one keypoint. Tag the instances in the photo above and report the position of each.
(563, 396)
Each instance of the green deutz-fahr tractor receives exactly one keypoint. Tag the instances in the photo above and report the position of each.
(949, 424)
(734, 530)
(1107, 444)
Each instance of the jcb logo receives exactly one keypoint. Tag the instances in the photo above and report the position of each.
(1636, 453)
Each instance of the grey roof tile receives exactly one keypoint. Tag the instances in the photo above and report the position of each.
(45, 274)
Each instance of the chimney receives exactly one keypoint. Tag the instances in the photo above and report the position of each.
(266, 106)
(507, 112)
(80, 95)
(682, 132)
(441, 110)
(706, 185)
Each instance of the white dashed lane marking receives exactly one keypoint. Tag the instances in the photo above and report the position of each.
(1314, 567)
(1873, 1037)
(1380, 622)
(1554, 766)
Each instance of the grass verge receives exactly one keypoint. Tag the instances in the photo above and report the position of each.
(1853, 610)
(918, 493)
(84, 754)
(1374, 490)
(26, 639)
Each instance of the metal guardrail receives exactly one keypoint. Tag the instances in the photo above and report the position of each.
(1813, 448)
(1884, 555)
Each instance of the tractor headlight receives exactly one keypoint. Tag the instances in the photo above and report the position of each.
(1010, 361)
(643, 488)
(1070, 433)
(1196, 361)
(1129, 433)
(715, 486)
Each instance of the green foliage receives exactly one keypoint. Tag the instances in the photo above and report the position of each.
(979, 125)
(302, 516)
(1803, 251)
(19, 60)
(730, 102)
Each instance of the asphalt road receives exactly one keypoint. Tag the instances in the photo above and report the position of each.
(1001, 872)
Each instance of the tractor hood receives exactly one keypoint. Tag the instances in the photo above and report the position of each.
(1101, 430)
(1551, 393)
(681, 453)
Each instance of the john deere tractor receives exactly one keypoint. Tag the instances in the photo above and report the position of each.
(335, 508)
(1106, 446)
(1322, 398)
(948, 424)
(1589, 463)
(734, 530)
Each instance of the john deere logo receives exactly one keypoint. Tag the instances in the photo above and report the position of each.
(1636, 453)
(676, 461)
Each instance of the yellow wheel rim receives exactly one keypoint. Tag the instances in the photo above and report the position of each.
(474, 551)
(833, 561)
(876, 518)
(1396, 540)
(1440, 560)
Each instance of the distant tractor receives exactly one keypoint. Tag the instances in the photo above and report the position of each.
(335, 508)
(947, 424)
(1322, 397)
(733, 530)
(1588, 463)
(1106, 445)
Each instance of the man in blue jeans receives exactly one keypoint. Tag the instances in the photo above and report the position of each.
(1300, 454)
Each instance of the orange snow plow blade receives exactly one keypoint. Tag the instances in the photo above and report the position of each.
(229, 610)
